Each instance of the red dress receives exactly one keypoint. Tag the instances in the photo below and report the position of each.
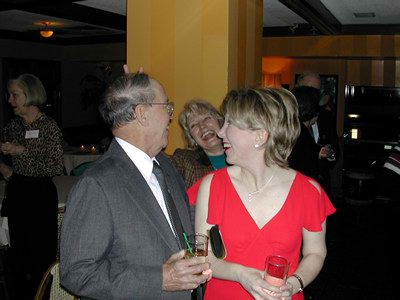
(248, 245)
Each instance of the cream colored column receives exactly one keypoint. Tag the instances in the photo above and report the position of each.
(195, 48)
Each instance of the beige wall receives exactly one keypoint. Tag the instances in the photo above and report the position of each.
(333, 46)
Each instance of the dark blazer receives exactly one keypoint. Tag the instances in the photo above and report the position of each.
(328, 134)
(192, 164)
(304, 156)
(115, 236)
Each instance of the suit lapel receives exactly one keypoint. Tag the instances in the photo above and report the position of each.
(144, 198)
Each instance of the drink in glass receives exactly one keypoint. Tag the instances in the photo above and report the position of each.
(198, 245)
(276, 270)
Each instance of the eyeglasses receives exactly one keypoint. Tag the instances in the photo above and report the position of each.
(168, 105)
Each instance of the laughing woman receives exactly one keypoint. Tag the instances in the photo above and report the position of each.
(34, 142)
(201, 122)
(262, 206)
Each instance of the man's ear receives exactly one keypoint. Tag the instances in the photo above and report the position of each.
(142, 114)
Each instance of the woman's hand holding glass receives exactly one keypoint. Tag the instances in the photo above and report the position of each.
(276, 273)
(283, 292)
(11, 148)
(253, 281)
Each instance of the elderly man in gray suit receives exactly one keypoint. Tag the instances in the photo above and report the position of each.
(122, 231)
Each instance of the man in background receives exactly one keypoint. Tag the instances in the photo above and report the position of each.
(323, 130)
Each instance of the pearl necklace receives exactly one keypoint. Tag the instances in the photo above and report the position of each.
(250, 195)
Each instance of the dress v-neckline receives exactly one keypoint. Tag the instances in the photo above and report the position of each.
(273, 217)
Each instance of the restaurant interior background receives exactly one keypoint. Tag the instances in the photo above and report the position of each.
(356, 42)
(89, 48)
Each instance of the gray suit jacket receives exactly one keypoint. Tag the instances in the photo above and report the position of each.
(115, 237)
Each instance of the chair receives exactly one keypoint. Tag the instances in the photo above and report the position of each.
(63, 184)
(78, 170)
(51, 280)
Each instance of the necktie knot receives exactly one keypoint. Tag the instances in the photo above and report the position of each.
(157, 170)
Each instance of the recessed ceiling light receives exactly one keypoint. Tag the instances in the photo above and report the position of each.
(46, 33)
(365, 15)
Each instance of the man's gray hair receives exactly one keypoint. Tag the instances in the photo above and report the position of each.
(117, 107)
(307, 74)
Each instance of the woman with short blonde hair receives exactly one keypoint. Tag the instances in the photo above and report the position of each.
(33, 142)
(262, 207)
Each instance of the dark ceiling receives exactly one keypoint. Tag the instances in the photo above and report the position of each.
(322, 21)
(104, 21)
(72, 23)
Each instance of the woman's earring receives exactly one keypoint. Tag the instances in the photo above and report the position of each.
(256, 146)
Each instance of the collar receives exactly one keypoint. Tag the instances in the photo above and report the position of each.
(141, 160)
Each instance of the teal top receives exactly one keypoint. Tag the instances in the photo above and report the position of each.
(218, 162)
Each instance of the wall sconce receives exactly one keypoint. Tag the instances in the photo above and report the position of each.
(271, 80)
(46, 33)
(354, 134)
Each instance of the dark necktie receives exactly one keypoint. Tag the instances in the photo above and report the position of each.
(311, 131)
(171, 208)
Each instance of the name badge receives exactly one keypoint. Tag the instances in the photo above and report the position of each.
(32, 134)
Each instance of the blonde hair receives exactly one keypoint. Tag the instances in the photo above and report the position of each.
(274, 110)
(32, 87)
(197, 107)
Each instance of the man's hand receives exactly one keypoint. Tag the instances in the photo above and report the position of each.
(326, 152)
(126, 69)
(181, 274)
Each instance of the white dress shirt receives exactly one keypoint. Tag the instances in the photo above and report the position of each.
(145, 165)
(315, 132)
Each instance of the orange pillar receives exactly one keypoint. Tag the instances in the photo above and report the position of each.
(196, 49)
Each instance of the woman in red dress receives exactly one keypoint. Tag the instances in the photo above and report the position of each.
(262, 206)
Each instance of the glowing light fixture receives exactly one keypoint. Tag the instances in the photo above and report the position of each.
(354, 133)
(46, 33)
(353, 116)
